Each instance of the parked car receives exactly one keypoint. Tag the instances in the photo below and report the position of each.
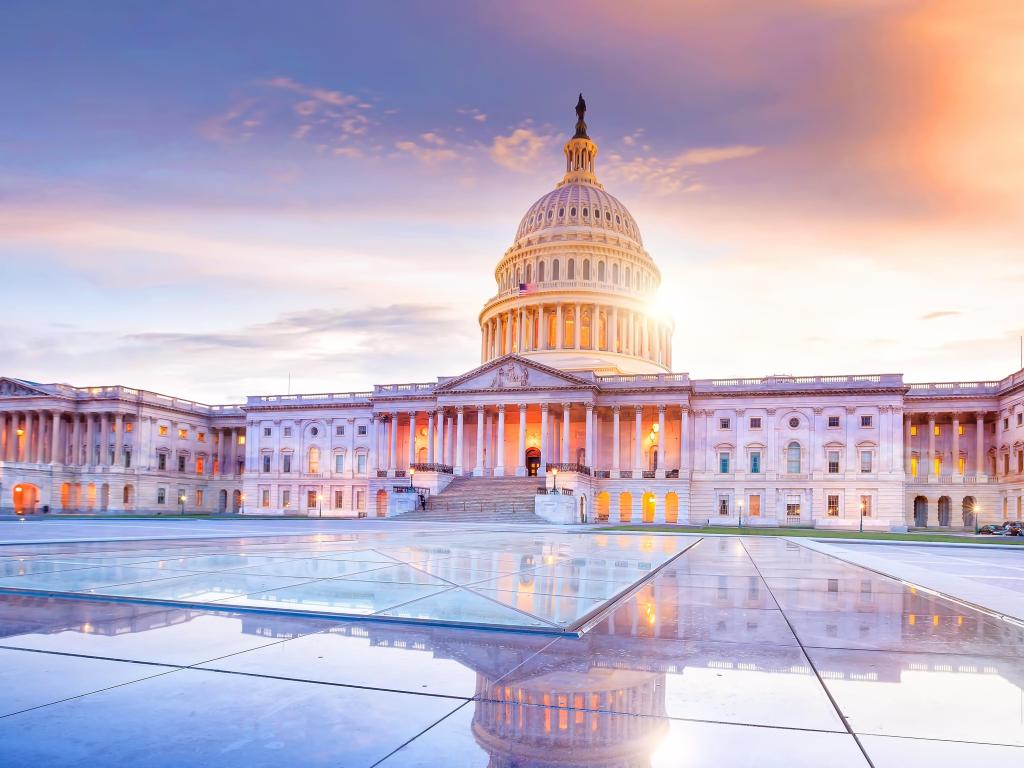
(991, 530)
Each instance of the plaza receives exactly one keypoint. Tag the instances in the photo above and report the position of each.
(694, 650)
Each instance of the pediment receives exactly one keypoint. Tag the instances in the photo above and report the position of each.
(513, 373)
(19, 388)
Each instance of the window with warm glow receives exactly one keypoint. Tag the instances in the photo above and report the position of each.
(754, 505)
(241, 439)
(338, 498)
(286, 498)
(265, 497)
(163, 431)
(913, 466)
(182, 434)
(938, 431)
(201, 437)
(960, 429)
(865, 506)
(961, 465)
(314, 460)
(129, 426)
(937, 466)
(913, 430)
(833, 505)
(200, 465)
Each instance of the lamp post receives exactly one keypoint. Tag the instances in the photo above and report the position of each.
(977, 509)
(181, 503)
(862, 517)
(554, 479)
(412, 473)
(739, 506)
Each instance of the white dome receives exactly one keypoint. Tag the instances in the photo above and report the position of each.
(579, 205)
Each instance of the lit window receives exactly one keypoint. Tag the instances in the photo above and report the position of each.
(241, 439)
(200, 465)
(865, 421)
(754, 505)
(833, 505)
(938, 466)
(129, 426)
(310, 499)
(833, 421)
(962, 465)
(960, 429)
(163, 431)
(793, 458)
(792, 506)
(938, 430)
(265, 497)
(182, 434)
(338, 497)
(314, 460)
(913, 466)
(286, 498)
(755, 462)
(723, 463)
(755, 422)
(913, 430)
(724, 423)
(201, 437)
(865, 506)
(865, 461)
(833, 462)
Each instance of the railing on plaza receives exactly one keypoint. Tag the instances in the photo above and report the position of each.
(602, 474)
(582, 469)
(626, 474)
(410, 489)
(543, 490)
(444, 469)
(672, 474)
(326, 397)
(955, 388)
(800, 382)
(403, 389)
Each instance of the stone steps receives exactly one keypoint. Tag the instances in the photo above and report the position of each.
(483, 500)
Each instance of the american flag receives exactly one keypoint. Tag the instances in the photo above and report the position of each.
(527, 288)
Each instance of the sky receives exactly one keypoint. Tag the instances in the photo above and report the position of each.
(205, 199)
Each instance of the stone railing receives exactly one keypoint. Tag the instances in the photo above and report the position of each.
(544, 491)
(579, 468)
(402, 389)
(328, 397)
(799, 383)
(947, 388)
(644, 379)
(444, 469)
(672, 474)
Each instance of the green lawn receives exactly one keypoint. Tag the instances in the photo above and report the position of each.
(823, 534)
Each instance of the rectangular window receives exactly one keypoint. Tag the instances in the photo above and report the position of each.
(310, 499)
(339, 462)
(913, 466)
(181, 463)
(833, 462)
(938, 466)
(755, 422)
(287, 431)
(339, 430)
(1020, 461)
(161, 495)
(200, 465)
(182, 434)
(865, 461)
(833, 421)
(1006, 424)
(199, 498)
(1006, 464)
(127, 459)
(287, 462)
(201, 437)
(241, 440)
(723, 505)
(865, 506)
(833, 505)
(724, 423)
(1020, 419)
(755, 462)
(361, 464)
(161, 461)
(266, 462)
(361, 430)
(865, 421)
(265, 497)
(286, 499)
(754, 504)
(338, 498)
(938, 431)
(723, 463)
(961, 465)
(163, 431)
(792, 506)
(129, 425)
(361, 499)
(266, 431)
(913, 430)
(960, 430)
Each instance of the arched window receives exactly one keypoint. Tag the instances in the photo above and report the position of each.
(314, 460)
(586, 269)
(615, 274)
(554, 269)
(585, 211)
(629, 278)
(600, 271)
(561, 213)
(529, 273)
(540, 272)
(793, 458)
(570, 270)
(572, 211)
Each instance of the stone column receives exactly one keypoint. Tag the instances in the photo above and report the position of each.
(392, 460)
(231, 454)
(499, 464)
(118, 435)
(105, 440)
(588, 437)
(632, 333)
(457, 466)
(55, 457)
(76, 440)
(412, 439)
(545, 449)
(521, 458)
(430, 437)
(478, 463)
(956, 446)
(979, 450)
(29, 434)
(616, 443)
(449, 441)
(638, 466)
(684, 446)
(662, 441)
(565, 433)
(908, 446)
(576, 326)
(522, 330)
(931, 445)
(90, 439)
(508, 332)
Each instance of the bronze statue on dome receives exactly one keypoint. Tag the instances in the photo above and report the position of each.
(581, 127)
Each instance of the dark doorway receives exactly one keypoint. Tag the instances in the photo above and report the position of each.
(532, 462)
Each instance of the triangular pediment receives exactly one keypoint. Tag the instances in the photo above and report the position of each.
(513, 373)
(18, 388)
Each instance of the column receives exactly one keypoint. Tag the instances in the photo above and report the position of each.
(638, 466)
(908, 447)
(104, 440)
(521, 458)
(412, 439)
(979, 450)
(616, 443)
(76, 440)
(459, 413)
(499, 464)
(231, 453)
(931, 445)
(576, 326)
(613, 330)
(956, 446)
(40, 433)
(588, 437)
(27, 441)
(449, 443)
(478, 465)
(90, 439)
(430, 437)
(522, 330)
(118, 435)
(684, 445)
(542, 330)
(55, 457)
(661, 441)
(545, 449)
(508, 332)
(392, 453)
(559, 328)
(565, 433)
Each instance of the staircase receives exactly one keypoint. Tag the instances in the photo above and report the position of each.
(483, 500)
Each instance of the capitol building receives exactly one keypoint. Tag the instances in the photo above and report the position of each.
(575, 413)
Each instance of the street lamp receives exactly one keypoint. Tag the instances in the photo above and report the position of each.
(977, 509)
(554, 479)
(862, 517)
(181, 503)
(739, 505)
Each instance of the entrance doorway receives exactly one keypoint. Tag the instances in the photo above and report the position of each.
(920, 512)
(26, 497)
(532, 462)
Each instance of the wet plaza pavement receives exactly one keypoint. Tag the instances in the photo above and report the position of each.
(738, 651)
